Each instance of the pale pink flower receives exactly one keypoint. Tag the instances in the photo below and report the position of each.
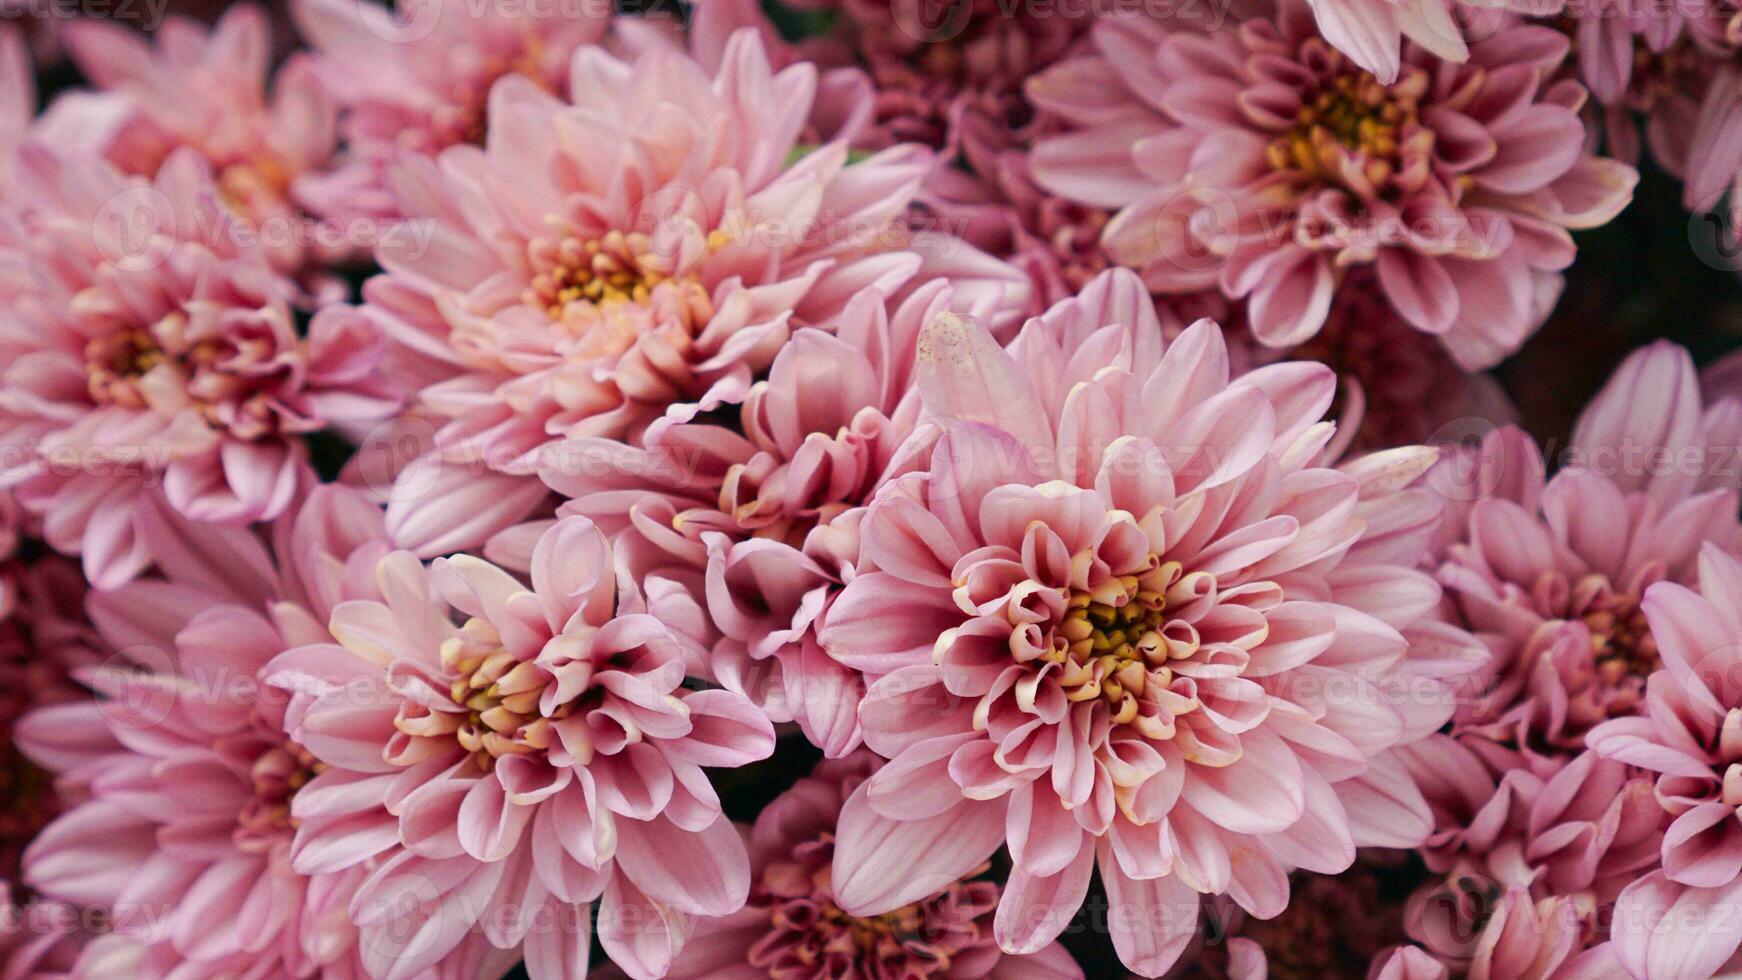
(1689, 738)
(536, 757)
(1530, 854)
(1550, 573)
(416, 78)
(264, 133)
(1121, 619)
(651, 246)
(791, 929)
(763, 521)
(144, 344)
(1266, 164)
(181, 769)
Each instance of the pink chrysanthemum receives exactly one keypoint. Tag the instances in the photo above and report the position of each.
(1122, 620)
(541, 753)
(1529, 855)
(417, 78)
(1264, 163)
(791, 929)
(1690, 739)
(764, 520)
(145, 344)
(207, 89)
(181, 769)
(654, 244)
(1551, 572)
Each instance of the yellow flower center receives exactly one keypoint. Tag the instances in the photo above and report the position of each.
(597, 288)
(1355, 113)
(1111, 644)
(1621, 640)
(501, 696)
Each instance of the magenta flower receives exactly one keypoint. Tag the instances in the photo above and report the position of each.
(181, 771)
(208, 89)
(1121, 619)
(1264, 163)
(417, 79)
(538, 756)
(619, 273)
(792, 929)
(1551, 573)
(145, 344)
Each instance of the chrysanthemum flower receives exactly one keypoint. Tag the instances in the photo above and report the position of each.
(1121, 619)
(653, 244)
(208, 89)
(537, 756)
(416, 78)
(1263, 162)
(145, 343)
(764, 520)
(792, 928)
(181, 770)
(1688, 739)
(1529, 853)
(1551, 572)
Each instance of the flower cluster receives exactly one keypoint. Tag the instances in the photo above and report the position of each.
(858, 489)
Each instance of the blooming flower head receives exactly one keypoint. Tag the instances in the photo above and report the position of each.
(653, 244)
(1529, 856)
(146, 344)
(417, 78)
(1267, 164)
(1687, 740)
(181, 771)
(537, 749)
(208, 89)
(762, 519)
(1121, 619)
(1551, 572)
(791, 928)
